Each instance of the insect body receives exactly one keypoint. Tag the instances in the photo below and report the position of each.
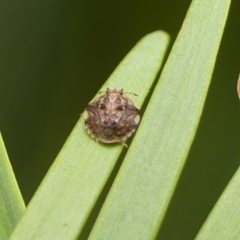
(112, 117)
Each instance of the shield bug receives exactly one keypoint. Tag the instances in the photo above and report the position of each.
(112, 117)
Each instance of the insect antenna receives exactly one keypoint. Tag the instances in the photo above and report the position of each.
(131, 93)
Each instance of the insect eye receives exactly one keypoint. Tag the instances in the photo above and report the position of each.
(102, 106)
(120, 108)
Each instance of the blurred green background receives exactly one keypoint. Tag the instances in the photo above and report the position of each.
(55, 55)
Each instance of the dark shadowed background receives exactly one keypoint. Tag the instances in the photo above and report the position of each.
(56, 54)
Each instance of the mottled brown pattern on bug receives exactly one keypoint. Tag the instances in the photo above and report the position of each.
(112, 117)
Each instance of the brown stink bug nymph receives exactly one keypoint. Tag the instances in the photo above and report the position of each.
(112, 117)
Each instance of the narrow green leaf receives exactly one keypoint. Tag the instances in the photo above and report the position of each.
(223, 221)
(11, 203)
(141, 193)
(64, 200)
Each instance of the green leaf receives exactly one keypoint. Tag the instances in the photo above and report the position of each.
(137, 202)
(223, 221)
(11, 203)
(66, 197)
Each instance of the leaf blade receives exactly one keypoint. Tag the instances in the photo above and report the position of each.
(11, 202)
(223, 221)
(141, 193)
(82, 168)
